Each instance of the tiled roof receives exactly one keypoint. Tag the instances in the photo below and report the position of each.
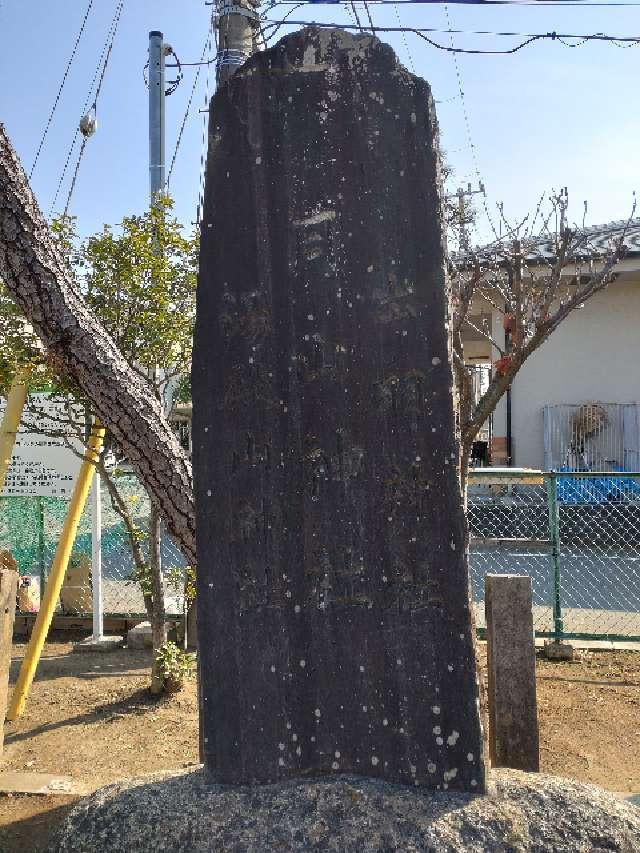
(597, 242)
(598, 239)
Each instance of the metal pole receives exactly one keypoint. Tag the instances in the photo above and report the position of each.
(156, 113)
(554, 539)
(96, 558)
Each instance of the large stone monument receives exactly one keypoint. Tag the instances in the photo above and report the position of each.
(334, 625)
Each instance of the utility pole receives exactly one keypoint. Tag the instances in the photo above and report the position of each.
(157, 54)
(238, 33)
(461, 194)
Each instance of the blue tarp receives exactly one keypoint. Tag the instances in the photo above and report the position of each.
(597, 490)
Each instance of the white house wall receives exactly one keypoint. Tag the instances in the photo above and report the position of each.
(593, 355)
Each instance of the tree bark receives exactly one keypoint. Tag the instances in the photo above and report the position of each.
(158, 618)
(38, 279)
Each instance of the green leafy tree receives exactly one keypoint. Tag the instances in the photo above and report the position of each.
(140, 280)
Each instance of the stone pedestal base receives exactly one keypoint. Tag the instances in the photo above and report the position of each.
(522, 812)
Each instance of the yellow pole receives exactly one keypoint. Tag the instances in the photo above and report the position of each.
(11, 420)
(58, 570)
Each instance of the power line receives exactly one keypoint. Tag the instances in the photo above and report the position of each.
(60, 88)
(212, 41)
(189, 103)
(94, 106)
(368, 11)
(467, 123)
(85, 106)
(545, 4)
(528, 37)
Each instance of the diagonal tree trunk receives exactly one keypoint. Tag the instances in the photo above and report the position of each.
(38, 279)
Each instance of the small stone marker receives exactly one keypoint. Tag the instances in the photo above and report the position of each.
(8, 594)
(334, 628)
(511, 665)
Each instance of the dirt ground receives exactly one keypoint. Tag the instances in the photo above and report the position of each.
(90, 717)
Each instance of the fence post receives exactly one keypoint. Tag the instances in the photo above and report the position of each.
(554, 540)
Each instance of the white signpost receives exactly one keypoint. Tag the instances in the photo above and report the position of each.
(44, 464)
(41, 465)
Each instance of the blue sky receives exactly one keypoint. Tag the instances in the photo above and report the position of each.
(546, 117)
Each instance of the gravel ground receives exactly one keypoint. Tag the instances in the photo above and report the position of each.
(184, 813)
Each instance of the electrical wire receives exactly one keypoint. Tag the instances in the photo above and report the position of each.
(352, 6)
(85, 108)
(546, 4)
(467, 121)
(404, 39)
(528, 37)
(212, 41)
(61, 88)
(94, 106)
(368, 11)
(189, 103)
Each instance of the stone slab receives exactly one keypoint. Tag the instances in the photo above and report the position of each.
(333, 615)
(45, 784)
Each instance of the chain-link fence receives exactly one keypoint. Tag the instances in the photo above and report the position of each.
(576, 534)
(30, 528)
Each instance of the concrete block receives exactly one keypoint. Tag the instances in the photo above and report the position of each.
(511, 666)
(140, 636)
(100, 644)
(558, 651)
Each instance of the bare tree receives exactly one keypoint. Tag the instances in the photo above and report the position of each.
(533, 292)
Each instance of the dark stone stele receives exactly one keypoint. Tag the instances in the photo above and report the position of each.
(335, 632)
